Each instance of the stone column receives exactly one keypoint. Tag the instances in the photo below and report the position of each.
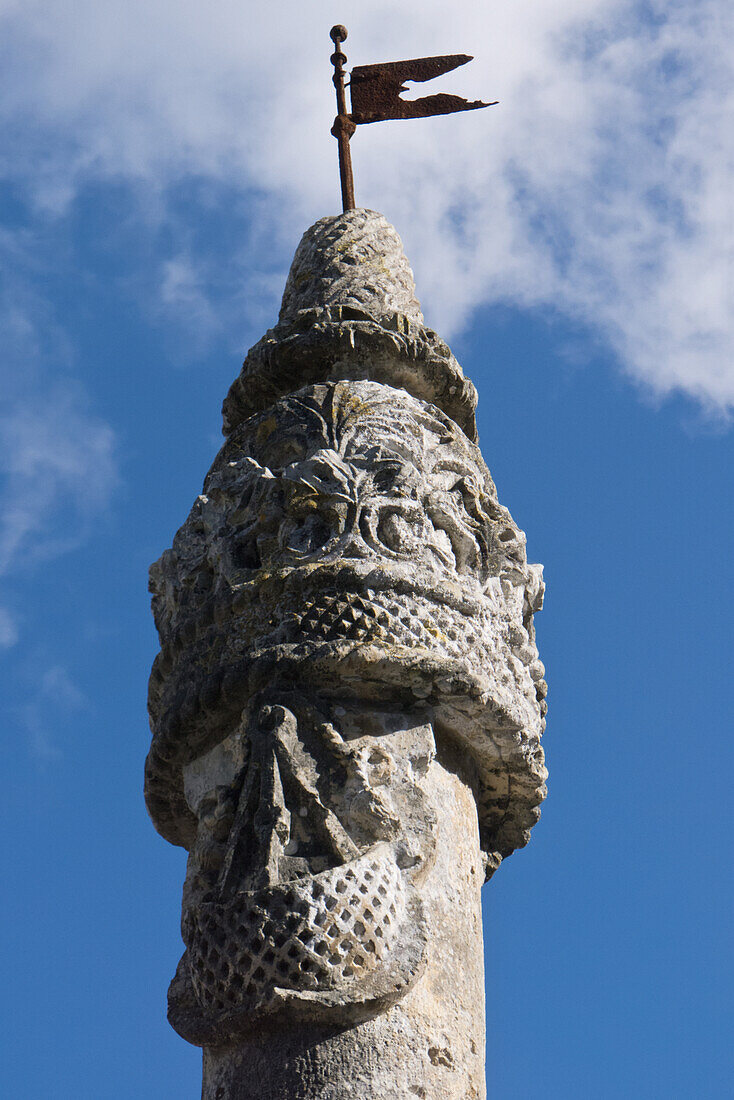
(348, 702)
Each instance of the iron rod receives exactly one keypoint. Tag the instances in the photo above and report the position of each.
(343, 127)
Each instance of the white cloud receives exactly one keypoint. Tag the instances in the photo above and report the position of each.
(8, 629)
(601, 185)
(40, 742)
(57, 463)
(55, 694)
(58, 688)
(58, 469)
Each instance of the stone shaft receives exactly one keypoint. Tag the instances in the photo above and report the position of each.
(348, 702)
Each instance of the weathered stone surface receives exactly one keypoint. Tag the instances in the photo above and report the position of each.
(346, 709)
(355, 259)
(430, 1043)
(349, 312)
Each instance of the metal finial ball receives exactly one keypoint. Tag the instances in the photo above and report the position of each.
(338, 33)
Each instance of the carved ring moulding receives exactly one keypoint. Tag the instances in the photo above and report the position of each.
(346, 590)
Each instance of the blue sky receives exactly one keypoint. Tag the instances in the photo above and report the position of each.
(579, 261)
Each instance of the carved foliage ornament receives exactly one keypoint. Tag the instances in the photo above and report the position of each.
(348, 556)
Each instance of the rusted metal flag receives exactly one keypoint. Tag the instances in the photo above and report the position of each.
(376, 97)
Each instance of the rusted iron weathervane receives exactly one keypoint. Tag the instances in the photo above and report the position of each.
(375, 93)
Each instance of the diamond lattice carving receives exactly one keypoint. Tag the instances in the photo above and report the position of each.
(306, 934)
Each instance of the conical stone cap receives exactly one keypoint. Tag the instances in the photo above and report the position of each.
(353, 260)
(350, 312)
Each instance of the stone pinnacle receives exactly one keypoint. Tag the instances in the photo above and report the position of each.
(350, 311)
(348, 702)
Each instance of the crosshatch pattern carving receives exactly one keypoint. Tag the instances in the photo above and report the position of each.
(396, 618)
(310, 933)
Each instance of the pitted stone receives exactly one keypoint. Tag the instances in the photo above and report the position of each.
(310, 933)
(356, 260)
(350, 312)
(353, 529)
(348, 704)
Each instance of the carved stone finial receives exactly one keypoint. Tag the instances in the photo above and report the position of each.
(356, 261)
(350, 312)
(348, 703)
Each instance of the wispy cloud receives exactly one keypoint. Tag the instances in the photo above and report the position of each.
(58, 468)
(57, 461)
(600, 187)
(54, 693)
(8, 629)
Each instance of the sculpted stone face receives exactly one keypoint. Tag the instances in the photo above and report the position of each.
(346, 585)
